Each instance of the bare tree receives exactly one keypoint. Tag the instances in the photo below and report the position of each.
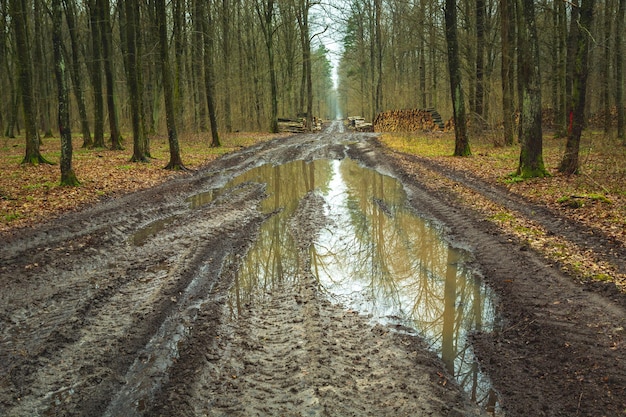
(175, 162)
(461, 145)
(68, 177)
(95, 69)
(569, 163)
(531, 139)
(209, 76)
(507, 28)
(19, 12)
(132, 79)
(619, 71)
(77, 80)
(106, 43)
(265, 11)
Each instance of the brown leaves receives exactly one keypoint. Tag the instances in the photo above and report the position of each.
(30, 194)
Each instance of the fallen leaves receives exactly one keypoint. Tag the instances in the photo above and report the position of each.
(31, 194)
(600, 190)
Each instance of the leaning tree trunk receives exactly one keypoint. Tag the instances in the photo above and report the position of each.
(18, 11)
(176, 162)
(461, 142)
(531, 153)
(569, 164)
(68, 177)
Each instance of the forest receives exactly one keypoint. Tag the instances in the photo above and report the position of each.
(239, 65)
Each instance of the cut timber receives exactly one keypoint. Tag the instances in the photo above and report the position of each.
(359, 124)
(408, 120)
(297, 125)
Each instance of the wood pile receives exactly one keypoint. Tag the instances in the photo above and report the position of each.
(408, 120)
(297, 125)
(358, 124)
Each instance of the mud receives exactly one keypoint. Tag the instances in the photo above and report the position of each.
(130, 308)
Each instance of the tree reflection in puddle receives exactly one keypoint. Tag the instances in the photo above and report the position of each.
(375, 256)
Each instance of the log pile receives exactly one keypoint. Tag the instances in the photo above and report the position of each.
(297, 125)
(359, 124)
(408, 120)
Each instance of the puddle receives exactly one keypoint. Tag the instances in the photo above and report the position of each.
(376, 257)
(152, 229)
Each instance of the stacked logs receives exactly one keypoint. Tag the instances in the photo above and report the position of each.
(408, 120)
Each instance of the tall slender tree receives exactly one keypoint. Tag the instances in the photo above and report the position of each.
(77, 80)
(95, 70)
(480, 57)
(175, 162)
(19, 12)
(507, 32)
(106, 41)
(531, 139)
(265, 11)
(461, 143)
(68, 177)
(209, 72)
(569, 163)
(132, 79)
(619, 71)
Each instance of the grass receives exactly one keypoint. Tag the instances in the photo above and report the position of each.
(596, 197)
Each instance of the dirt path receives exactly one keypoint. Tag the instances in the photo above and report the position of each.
(126, 308)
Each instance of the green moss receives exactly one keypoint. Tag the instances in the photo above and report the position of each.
(603, 277)
(503, 217)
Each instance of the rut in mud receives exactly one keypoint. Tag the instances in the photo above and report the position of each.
(154, 304)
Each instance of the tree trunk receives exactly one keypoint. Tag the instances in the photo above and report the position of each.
(175, 162)
(132, 79)
(605, 71)
(96, 76)
(265, 11)
(68, 177)
(461, 143)
(572, 42)
(531, 154)
(197, 64)
(18, 12)
(561, 108)
(107, 57)
(619, 71)
(480, 57)
(226, 51)
(507, 28)
(180, 92)
(209, 80)
(42, 85)
(569, 163)
(77, 80)
(378, 102)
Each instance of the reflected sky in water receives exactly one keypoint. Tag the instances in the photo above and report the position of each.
(375, 255)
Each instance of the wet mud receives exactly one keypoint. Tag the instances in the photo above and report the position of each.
(264, 285)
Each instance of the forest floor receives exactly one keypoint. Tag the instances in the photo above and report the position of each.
(124, 305)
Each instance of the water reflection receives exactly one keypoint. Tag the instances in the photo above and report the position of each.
(382, 258)
(376, 256)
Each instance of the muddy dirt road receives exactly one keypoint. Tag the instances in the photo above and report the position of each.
(185, 300)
